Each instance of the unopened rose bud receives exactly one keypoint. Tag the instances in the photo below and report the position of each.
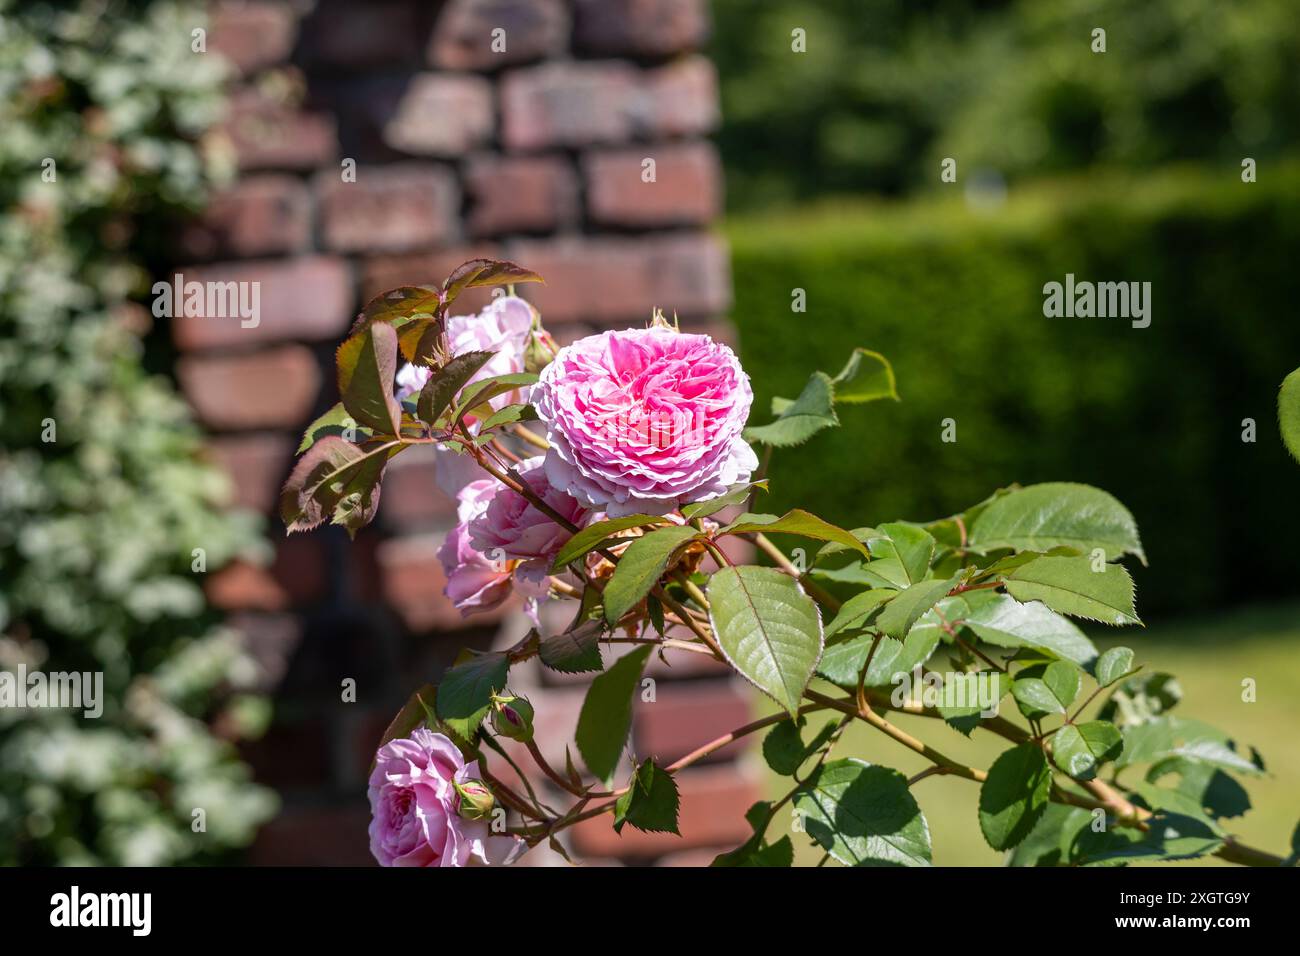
(540, 350)
(513, 717)
(476, 800)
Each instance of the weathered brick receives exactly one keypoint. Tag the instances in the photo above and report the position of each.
(442, 115)
(381, 273)
(411, 495)
(610, 280)
(274, 388)
(316, 836)
(413, 583)
(683, 99)
(309, 298)
(713, 803)
(686, 188)
(463, 34)
(520, 194)
(393, 208)
(301, 566)
(258, 216)
(241, 586)
(343, 34)
(568, 104)
(256, 464)
(271, 133)
(688, 714)
(640, 27)
(252, 35)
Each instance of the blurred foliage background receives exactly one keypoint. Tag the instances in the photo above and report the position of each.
(102, 496)
(1117, 166)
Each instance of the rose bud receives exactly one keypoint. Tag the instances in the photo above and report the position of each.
(513, 717)
(540, 350)
(476, 800)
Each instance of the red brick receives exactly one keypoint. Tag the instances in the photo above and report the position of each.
(256, 464)
(612, 280)
(413, 583)
(344, 34)
(253, 35)
(275, 388)
(309, 298)
(271, 133)
(520, 194)
(568, 104)
(316, 836)
(261, 215)
(442, 115)
(713, 805)
(242, 586)
(683, 97)
(686, 189)
(271, 641)
(389, 208)
(301, 565)
(688, 714)
(411, 495)
(382, 273)
(462, 36)
(640, 27)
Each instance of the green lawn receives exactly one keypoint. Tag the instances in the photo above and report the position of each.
(1210, 657)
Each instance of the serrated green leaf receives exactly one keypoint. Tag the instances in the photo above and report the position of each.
(866, 377)
(641, 566)
(335, 422)
(1003, 621)
(1171, 736)
(798, 421)
(1113, 664)
(576, 651)
(1049, 693)
(1058, 514)
(1078, 749)
(904, 610)
(367, 365)
(396, 305)
(650, 803)
(769, 629)
(479, 273)
(1288, 413)
(784, 748)
(858, 610)
(464, 694)
(864, 815)
(1072, 586)
(444, 383)
(734, 496)
(507, 415)
(1014, 795)
(1207, 786)
(606, 716)
(911, 546)
(1170, 836)
(797, 522)
(335, 479)
(476, 396)
(594, 535)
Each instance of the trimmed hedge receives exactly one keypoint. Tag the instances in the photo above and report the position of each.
(953, 296)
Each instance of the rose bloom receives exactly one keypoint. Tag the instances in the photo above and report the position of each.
(511, 527)
(474, 582)
(645, 420)
(414, 807)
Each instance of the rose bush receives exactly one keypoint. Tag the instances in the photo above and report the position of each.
(640, 466)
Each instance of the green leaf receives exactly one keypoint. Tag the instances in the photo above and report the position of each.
(1014, 795)
(1212, 790)
(756, 851)
(1003, 621)
(606, 716)
(734, 496)
(650, 803)
(864, 815)
(1071, 586)
(799, 420)
(335, 422)
(465, 691)
(641, 566)
(478, 273)
(338, 479)
(769, 629)
(866, 377)
(367, 364)
(1113, 664)
(1058, 514)
(397, 305)
(474, 399)
(1171, 736)
(903, 611)
(440, 390)
(1171, 836)
(594, 535)
(797, 522)
(968, 695)
(841, 663)
(1049, 842)
(1078, 749)
(858, 610)
(1050, 693)
(576, 651)
(1141, 698)
(507, 416)
(911, 546)
(784, 749)
(1288, 413)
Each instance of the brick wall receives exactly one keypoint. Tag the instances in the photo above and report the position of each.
(534, 153)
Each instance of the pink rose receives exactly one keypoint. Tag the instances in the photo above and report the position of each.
(475, 582)
(511, 527)
(415, 809)
(645, 420)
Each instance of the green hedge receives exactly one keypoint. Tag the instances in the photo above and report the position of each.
(953, 296)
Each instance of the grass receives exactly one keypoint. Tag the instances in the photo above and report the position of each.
(1210, 656)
